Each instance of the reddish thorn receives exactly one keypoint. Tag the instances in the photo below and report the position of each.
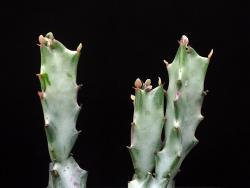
(79, 48)
(177, 96)
(138, 83)
(210, 54)
(184, 40)
(41, 95)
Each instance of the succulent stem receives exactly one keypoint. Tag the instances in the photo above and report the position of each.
(58, 96)
(156, 161)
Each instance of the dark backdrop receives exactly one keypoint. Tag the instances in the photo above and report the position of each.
(124, 40)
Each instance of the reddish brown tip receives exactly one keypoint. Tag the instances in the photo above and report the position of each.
(41, 95)
(184, 40)
(138, 83)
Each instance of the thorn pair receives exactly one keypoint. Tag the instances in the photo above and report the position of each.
(147, 85)
(47, 40)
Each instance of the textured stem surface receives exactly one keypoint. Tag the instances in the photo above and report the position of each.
(183, 114)
(184, 101)
(146, 131)
(59, 102)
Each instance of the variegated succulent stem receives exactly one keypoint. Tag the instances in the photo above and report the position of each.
(59, 102)
(156, 162)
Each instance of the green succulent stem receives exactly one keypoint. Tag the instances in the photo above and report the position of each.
(156, 161)
(58, 97)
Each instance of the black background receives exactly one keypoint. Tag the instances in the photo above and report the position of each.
(124, 40)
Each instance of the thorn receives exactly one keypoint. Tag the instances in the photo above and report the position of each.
(132, 97)
(177, 96)
(138, 83)
(78, 49)
(184, 40)
(205, 92)
(195, 141)
(40, 45)
(41, 95)
(129, 147)
(133, 123)
(78, 87)
(48, 39)
(50, 36)
(201, 117)
(38, 75)
(42, 40)
(78, 132)
(147, 82)
(71, 154)
(159, 81)
(79, 107)
(147, 85)
(165, 61)
(46, 125)
(210, 54)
